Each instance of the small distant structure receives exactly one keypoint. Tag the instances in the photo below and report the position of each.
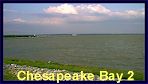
(32, 36)
(74, 34)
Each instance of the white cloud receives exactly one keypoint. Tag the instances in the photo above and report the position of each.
(93, 8)
(63, 9)
(18, 20)
(47, 21)
(135, 12)
(82, 8)
(78, 13)
(84, 18)
(128, 13)
(88, 9)
(38, 21)
(90, 12)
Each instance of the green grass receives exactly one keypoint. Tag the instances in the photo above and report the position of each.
(74, 68)
(9, 76)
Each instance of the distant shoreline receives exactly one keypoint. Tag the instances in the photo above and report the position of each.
(29, 35)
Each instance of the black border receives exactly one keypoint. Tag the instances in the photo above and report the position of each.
(71, 1)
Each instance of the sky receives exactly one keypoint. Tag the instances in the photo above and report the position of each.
(78, 18)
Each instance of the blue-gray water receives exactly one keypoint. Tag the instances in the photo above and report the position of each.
(113, 51)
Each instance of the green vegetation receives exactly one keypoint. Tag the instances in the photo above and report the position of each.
(8, 75)
(74, 68)
(19, 36)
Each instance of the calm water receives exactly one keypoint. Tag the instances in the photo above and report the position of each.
(115, 51)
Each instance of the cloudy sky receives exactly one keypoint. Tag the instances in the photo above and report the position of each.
(67, 18)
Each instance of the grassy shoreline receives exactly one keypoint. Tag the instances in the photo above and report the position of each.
(74, 68)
